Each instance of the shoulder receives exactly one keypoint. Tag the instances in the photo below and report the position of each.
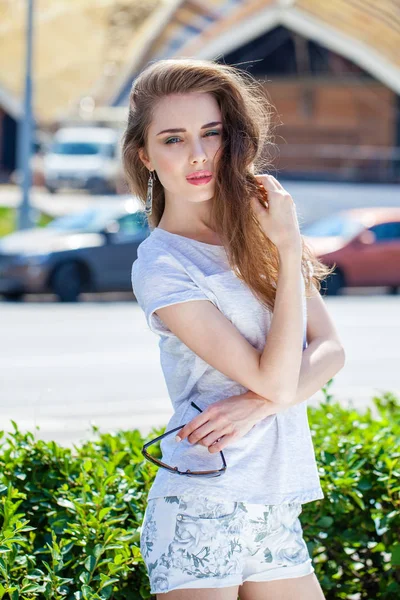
(159, 279)
(154, 257)
(156, 269)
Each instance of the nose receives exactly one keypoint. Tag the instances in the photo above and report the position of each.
(198, 154)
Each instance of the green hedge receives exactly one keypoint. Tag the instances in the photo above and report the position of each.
(70, 518)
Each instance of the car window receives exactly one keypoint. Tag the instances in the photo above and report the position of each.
(109, 150)
(386, 231)
(133, 223)
(88, 220)
(76, 148)
(84, 148)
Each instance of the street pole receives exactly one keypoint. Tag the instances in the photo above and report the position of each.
(25, 127)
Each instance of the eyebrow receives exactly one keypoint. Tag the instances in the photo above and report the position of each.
(177, 130)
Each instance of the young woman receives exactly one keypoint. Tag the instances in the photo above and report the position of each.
(227, 282)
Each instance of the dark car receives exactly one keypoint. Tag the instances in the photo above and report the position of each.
(88, 251)
(363, 243)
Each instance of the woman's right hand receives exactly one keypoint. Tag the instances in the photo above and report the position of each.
(279, 219)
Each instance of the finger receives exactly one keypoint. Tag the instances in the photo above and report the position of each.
(263, 188)
(224, 441)
(201, 432)
(268, 182)
(276, 182)
(216, 434)
(257, 206)
(191, 426)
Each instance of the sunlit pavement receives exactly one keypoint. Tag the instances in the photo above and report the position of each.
(65, 366)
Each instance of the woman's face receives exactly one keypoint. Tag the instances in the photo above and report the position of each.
(175, 155)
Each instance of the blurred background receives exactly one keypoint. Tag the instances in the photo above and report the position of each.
(75, 348)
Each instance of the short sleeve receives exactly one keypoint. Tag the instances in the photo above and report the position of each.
(160, 281)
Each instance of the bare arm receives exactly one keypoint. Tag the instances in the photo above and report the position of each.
(281, 358)
(322, 359)
(324, 355)
(272, 374)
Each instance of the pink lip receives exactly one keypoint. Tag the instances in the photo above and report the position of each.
(199, 174)
(199, 177)
(199, 181)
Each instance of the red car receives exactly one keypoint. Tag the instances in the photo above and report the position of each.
(363, 243)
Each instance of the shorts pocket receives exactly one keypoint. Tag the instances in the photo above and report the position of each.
(203, 508)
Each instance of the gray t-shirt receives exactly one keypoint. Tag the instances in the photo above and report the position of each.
(275, 461)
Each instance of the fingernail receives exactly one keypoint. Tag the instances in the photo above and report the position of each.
(178, 439)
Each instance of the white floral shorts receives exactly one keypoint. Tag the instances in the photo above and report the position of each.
(189, 541)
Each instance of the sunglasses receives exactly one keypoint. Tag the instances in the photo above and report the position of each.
(188, 472)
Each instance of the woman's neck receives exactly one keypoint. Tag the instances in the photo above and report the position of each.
(205, 235)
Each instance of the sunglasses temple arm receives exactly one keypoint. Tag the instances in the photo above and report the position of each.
(171, 430)
(163, 435)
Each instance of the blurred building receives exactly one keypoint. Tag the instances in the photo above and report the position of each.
(331, 69)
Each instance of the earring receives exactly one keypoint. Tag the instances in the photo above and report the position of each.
(149, 198)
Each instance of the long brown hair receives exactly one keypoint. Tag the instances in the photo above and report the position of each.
(246, 140)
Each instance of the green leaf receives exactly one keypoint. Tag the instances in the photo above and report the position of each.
(105, 511)
(395, 549)
(66, 503)
(90, 563)
(88, 465)
(109, 582)
(325, 522)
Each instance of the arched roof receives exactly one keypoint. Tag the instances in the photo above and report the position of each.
(96, 47)
(364, 31)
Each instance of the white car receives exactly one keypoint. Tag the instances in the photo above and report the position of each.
(83, 158)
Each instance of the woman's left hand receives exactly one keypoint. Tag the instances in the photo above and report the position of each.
(227, 420)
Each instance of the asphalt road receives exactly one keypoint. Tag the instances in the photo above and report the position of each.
(64, 367)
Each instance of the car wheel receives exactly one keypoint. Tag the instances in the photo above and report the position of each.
(13, 296)
(66, 282)
(333, 283)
